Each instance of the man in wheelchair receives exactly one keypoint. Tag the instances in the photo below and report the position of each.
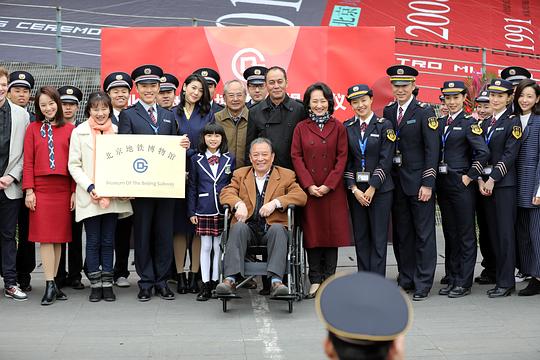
(259, 195)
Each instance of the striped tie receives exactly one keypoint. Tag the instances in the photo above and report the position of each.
(46, 131)
(400, 115)
(152, 116)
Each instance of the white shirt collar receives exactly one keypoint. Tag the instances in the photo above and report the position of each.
(148, 106)
(406, 105)
(116, 113)
(208, 153)
(498, 115)
(367, 120)
(454, 116)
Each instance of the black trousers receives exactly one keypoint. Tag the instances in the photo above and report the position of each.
(26, 250)
(370, 228)
(322, 263)
(457, 204)
(9, 210)
(486, 243)
(74, 256)
(121, 247)
(153, 235)
(414, 227)
(501, 211)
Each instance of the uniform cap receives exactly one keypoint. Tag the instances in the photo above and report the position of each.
(117, 79)
(22, 79)
(70, 94)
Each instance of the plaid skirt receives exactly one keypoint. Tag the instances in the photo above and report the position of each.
(210, 225)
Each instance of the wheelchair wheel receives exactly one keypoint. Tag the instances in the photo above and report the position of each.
(290, 306)
(224, 301)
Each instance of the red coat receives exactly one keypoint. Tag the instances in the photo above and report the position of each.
(319, 158)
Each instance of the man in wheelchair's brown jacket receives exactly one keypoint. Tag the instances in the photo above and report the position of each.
(260, 195)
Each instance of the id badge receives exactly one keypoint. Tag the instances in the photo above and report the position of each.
(397, 159)
(487, 170)
(443, 168)
(362, 177)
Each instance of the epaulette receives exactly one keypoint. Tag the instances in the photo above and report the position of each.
(350, 121)
(421, 104)
(390, 103)
(381, 120)
(512, 116)
(467, 116)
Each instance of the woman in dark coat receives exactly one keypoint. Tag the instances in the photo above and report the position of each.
(319, 156)
(527, 107)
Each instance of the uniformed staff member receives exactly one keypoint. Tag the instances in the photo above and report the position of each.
(363, 324)
(462, 158)
(19, 88)
(167, 91)
(414, 174)
(367, 176)
(254, 76)
(152, 217)
(212, 79)
(71, 97)
(443, 109)
(502, 134)
(515, 74)
(118, 86)
(276, 117)
(487, 276)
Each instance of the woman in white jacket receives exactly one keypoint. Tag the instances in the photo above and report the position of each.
(99, 214)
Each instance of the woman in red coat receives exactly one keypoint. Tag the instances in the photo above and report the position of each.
(319, 155)
(48, 185)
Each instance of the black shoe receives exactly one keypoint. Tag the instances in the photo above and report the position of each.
(96, 294)
(484, 280)
(164, 292)
(213, 284)
(181, 285)
(108, 293)
(445, 291)
(444, 281)
(532, 289)
(420, 295)
(144, 294)
(459, 291)
(60, 294)
(407, 288)
(193, 285)
(501, 292)
(77, 284)
(205, 293)
(50, 293)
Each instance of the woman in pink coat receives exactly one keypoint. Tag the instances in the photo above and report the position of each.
(319, 155)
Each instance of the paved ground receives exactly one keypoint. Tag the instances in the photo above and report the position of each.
(473, 327)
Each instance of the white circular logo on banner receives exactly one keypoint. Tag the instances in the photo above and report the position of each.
(245, 58)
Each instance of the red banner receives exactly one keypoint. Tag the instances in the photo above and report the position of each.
(505, 28)
(339, 57)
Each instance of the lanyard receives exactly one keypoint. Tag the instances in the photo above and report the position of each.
(489, 135)
(397, 141)
(363, 145)
(443, 140)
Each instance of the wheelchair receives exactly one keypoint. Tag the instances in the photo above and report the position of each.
(254, 266)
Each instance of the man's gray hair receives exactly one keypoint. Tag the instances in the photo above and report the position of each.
(228, 84)
(261, 140)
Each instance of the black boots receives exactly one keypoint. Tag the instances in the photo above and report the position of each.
(107, 283)
(193, 283)
(96, 289)
(206, 292)
(50, 293)
(60, 294)
(181, 286)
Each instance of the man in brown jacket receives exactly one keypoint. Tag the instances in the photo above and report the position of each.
(234, 119)
(260, 195)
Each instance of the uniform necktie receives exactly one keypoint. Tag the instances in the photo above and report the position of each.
(213, 160)
(449, 121)
(363, 127)
(46, 131)
(493, 121)
(152, 116)
(400, 115)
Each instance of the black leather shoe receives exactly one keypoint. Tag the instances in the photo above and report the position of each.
(445, 291)
(501, 292)
(164, 292)
(445, 280)
(420, 295)
(205, 293)
(192, 283)
(181, 285)
(50, 293)
(484, 280)
(144, 295)
(459, 291)
(77, 284)
(60, 294)
(96, 294)
(532, 289)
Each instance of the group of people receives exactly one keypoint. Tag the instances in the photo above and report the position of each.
(352, 179)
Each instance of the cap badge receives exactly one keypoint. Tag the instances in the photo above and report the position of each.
(119, 77)
(147, 71)
(512, 72)
(257, 72)
(69, 91)
(204, 73)
(497, 83)
(356, 88)
(22, 76)
(451, 85)
(400, 71)
(163, 79)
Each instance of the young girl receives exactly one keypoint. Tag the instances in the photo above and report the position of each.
(211, 170)
(99, 214)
